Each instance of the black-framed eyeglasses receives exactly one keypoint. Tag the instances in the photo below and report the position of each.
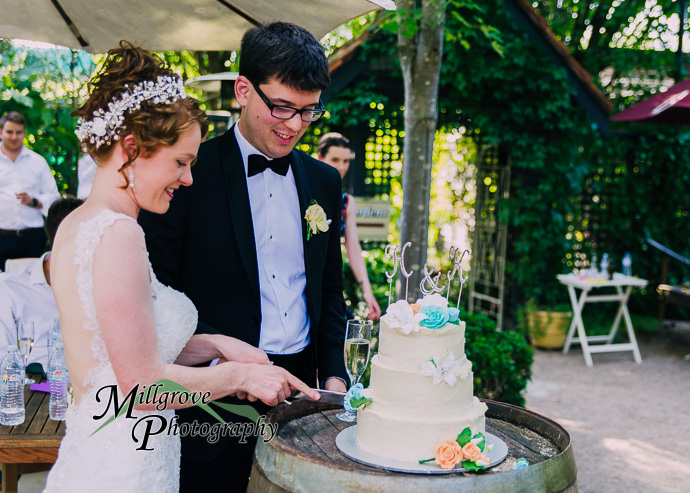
(287, 113)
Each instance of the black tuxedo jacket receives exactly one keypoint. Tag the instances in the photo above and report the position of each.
(204, 246)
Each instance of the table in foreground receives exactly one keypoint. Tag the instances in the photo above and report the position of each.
(619, 281)
(31, 446)
(303, 457)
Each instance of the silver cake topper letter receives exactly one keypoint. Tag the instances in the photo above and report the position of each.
(390, 253)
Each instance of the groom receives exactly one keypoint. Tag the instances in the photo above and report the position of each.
(244, 243)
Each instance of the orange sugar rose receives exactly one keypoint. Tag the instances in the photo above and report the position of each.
(448, 454)
(415, 307)
(472, 453)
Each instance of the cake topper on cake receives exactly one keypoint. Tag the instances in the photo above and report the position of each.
(428, 280)
(406, 274)
(390, 253)
(457, 264)
(452, 255)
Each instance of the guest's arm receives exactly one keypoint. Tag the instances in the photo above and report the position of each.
(354, 255)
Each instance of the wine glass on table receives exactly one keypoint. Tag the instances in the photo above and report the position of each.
(357, 345)
(25, 343)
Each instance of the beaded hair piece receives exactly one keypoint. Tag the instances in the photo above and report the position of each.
(103, 127)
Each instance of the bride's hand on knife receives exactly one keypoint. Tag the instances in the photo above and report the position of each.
(271, 384)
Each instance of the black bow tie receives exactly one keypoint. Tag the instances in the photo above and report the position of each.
(258, 164)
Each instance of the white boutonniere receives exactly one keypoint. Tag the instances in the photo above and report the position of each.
(316, 219)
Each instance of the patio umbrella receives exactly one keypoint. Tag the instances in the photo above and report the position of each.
(671, 107)
(168, 25)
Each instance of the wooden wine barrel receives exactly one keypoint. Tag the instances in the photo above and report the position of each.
(303, 457)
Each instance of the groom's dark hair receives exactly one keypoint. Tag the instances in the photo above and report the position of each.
(287, 52)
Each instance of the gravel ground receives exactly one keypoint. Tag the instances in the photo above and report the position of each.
(629, 423)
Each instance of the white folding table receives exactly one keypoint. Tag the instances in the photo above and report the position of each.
(586, 284)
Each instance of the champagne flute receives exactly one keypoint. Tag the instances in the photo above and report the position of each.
(25, 343)
(357, 344)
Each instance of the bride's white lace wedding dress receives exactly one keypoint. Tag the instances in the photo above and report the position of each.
(109, 460)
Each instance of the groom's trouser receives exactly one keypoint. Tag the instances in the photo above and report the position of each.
(228, 472)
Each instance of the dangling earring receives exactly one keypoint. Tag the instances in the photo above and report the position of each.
(131, 177)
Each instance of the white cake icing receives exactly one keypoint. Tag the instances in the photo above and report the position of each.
(409, 416)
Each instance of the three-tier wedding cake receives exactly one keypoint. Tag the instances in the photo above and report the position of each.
(421, 383)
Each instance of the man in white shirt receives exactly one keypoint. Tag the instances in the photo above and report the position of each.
(27, 188)
(26, 295)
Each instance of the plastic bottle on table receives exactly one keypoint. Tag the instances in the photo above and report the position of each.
(59, 380)
(627, 265)
(54, 336)
(12, 388)
(604, 263)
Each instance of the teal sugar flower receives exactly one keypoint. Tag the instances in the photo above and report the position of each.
(436, 317)
(356, 396)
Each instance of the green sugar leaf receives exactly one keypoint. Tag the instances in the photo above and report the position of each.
(464, 437)
(471, 466)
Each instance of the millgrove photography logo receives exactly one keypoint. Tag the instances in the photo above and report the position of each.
(166, 392)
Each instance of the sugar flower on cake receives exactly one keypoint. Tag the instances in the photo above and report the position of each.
(356, 397)
(433, 300)
(400, 315)
(466, 450)
(453, 314)
(448, 455)
(442, 369)
(436, 317)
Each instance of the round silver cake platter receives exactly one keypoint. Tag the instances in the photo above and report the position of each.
(345, 441)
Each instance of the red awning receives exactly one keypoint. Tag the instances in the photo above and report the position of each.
(671, 107)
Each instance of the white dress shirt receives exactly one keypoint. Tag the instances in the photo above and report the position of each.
(280, 256)
(25, 295)
(30, 173)
(86, 172)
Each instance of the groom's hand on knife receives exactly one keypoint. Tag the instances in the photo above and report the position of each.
(232, 349)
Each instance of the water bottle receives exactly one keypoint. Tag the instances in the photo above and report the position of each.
(59, 380)
(604, 263)
(593, 263)
(54, 336)
(627, 265)
(12, 392)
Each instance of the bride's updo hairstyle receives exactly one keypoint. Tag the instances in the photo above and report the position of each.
(135, 93)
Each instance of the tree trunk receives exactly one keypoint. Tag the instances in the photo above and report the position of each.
(420, 60)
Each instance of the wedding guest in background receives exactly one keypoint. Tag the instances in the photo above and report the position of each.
(27, 188)
(335, 150)
(26, 295)
(250, 241)
(123, 330)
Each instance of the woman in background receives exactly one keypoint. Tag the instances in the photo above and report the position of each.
(335, 150)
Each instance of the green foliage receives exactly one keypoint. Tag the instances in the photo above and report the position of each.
(45, 85)
(376, 264)
(501, 361)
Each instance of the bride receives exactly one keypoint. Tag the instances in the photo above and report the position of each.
(122, 329)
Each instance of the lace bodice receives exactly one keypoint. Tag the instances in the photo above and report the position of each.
(88, 462)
